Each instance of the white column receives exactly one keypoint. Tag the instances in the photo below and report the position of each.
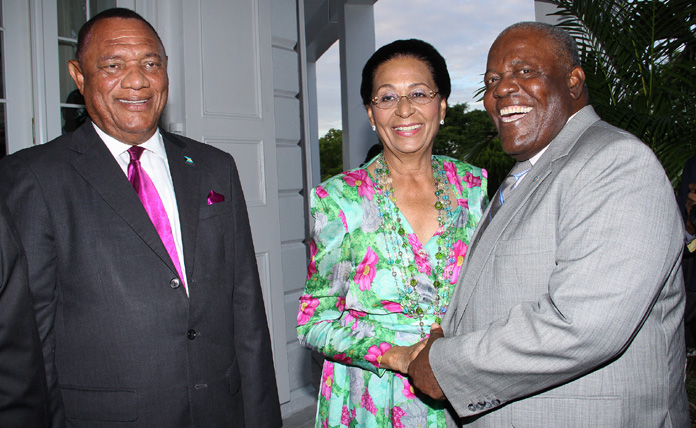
(357, 44)
(312, 129)
(18, 77)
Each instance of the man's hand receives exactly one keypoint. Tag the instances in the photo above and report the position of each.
(419, 370)
(690, 202)
(398, 358)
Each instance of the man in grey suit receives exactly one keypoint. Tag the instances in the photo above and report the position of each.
(140, 256)
(569, 309)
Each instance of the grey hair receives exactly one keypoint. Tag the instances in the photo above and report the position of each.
(565, 45)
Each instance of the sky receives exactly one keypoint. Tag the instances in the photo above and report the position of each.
(461, 30)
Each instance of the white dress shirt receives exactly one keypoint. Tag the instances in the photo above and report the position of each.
(154, 162)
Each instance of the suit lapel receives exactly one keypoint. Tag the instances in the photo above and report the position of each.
(480, 252)
(98, 167)
(186, 178)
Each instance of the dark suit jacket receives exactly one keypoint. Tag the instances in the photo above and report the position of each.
(23, 401)
(123, 344)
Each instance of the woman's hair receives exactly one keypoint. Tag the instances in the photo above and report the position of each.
(412, 48)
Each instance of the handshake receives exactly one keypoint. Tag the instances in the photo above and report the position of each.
(414, 361)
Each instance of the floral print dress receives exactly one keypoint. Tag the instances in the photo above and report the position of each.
(350, 310)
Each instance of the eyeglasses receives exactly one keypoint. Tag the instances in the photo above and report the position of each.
(391, 99)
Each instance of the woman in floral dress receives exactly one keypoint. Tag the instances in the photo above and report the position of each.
(389, 239)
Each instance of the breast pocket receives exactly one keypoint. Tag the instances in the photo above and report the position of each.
(524, 264)
(214, 210)
(214, 233)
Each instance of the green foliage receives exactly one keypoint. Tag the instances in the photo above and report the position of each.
(472, 137)
(496, 162)
(638, 57)
(331, 153)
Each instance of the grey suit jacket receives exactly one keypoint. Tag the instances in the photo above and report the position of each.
(569, 309)
(122, 343)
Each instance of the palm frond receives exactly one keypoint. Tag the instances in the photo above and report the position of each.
(638, 57)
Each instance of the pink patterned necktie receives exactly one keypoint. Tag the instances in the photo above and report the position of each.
(148, 195)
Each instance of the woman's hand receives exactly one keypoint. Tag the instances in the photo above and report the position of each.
(398, 358)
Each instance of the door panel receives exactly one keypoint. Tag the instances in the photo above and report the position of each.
(228, 88)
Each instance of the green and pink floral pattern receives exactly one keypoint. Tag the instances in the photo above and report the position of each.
(350, 310)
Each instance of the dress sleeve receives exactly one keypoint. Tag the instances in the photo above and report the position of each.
(324, 322)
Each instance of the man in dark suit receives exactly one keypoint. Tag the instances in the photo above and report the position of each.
(141, 262)
(22, 382)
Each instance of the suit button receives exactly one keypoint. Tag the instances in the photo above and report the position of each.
(472, 408)
(480, 406)
(175, 283)
(191, 334)
(496, 402)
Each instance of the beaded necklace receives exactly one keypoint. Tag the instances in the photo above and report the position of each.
(402, 260)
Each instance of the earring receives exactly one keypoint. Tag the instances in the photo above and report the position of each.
(374, 128)
(442, 122)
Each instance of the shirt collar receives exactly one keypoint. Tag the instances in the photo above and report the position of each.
(117, 148)
(536, 157)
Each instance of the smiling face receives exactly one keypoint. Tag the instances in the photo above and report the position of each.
(407, 128)
(530, 92)
(123, 77)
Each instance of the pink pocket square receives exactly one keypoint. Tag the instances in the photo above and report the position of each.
(214, 198)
